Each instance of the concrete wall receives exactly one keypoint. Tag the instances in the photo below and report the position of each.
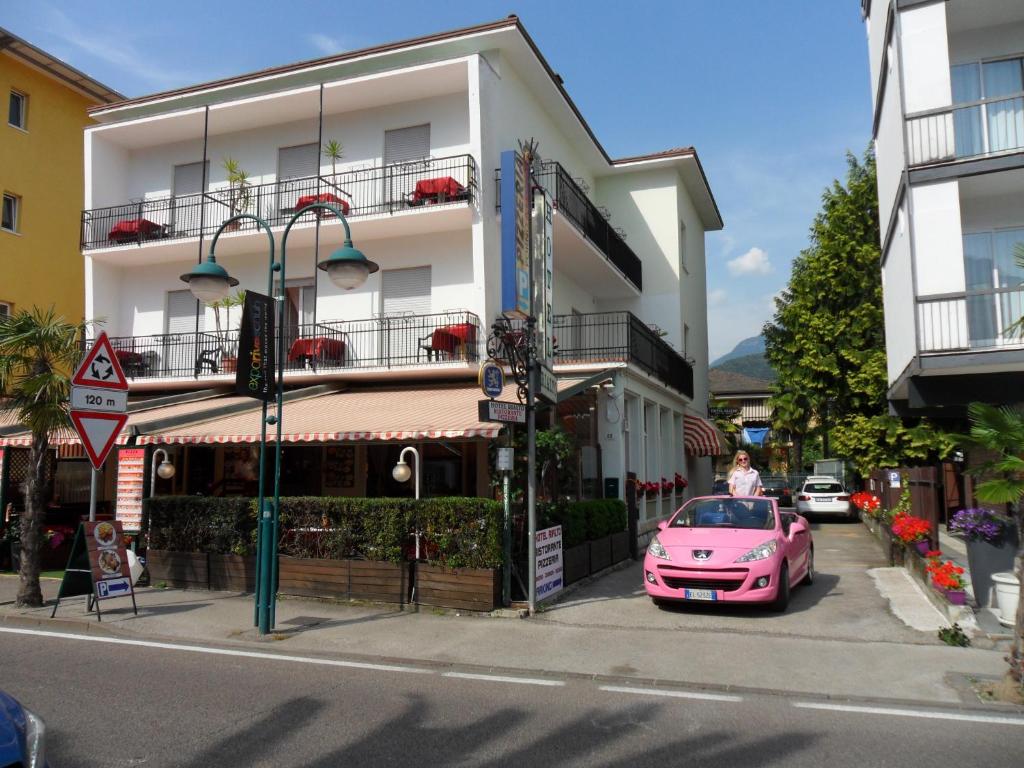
(987, 43)
(889, 146)
(938, 248)
(925, 57)
(898, 300)
(875, 29)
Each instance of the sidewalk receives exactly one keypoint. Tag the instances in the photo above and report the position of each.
(638, 654)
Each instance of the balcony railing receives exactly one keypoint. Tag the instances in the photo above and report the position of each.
(620, 337)
(360, 192)
(970, 321)
(572, 202)
(386, 342)
(964, 131)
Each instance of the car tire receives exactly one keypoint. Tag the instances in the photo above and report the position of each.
(808, 578)
(659, 603)
(781, 602)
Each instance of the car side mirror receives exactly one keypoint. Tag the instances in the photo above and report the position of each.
(663, 525)
(797, 527)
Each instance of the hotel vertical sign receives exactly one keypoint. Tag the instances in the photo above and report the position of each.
(543, 267)
(255, 373)
(516, 207)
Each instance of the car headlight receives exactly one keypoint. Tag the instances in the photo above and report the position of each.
(655, 549)
(760, 552)
(35, 740)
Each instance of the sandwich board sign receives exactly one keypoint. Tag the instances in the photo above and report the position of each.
(99, 399)
(97, 566)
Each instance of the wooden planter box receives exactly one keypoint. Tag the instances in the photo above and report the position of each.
(474, 589)
(343, 579)
(186, 570)
(600, 554)
(576, 563)
(620, 546)
(232, 573)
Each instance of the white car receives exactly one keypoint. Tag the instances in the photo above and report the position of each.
(822, 495)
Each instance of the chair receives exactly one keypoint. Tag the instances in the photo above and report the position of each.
(210, 358)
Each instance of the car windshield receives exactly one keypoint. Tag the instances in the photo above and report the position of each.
(726, 513)
(823, 488)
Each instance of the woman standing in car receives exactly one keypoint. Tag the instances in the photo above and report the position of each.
(744, 480)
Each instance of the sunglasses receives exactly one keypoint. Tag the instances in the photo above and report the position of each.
(744, 460)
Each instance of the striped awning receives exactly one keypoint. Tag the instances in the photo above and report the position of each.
(411, 413)
(702, 438)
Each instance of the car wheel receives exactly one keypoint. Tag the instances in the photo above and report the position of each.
(781, 602)
(809, 576)
(659, 603)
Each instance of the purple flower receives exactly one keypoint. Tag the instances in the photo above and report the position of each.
(978, 525)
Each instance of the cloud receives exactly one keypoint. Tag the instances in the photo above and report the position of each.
(753, 262)
(326, 44)
(716, 297)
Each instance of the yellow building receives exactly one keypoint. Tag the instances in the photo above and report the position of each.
(41, 177)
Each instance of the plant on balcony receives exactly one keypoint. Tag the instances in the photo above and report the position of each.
(228, 359)
(239, 188)
(332, 150)
(680, 482)
(667, 486)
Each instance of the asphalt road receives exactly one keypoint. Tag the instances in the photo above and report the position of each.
(133, 703)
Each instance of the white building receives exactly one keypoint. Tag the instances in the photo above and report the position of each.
(423, 123)
(947, 79)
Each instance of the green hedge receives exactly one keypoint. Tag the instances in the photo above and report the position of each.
(458, 532)
(583, 521)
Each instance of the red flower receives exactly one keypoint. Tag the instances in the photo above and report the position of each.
(910, 529)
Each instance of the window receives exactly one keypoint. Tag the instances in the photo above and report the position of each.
(997, 124)
(297, 168)
(682, 248)
(990, 265)
(17, 110)
(9, 219)
(5, 309)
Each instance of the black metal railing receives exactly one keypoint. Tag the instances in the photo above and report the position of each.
(391, 341)
(572, 202)
(358, 192)
(620, 337)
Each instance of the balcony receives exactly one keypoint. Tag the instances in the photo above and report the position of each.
(331, 346)
(365, 192)
(970, 322)
(976, 129)
(573, 205)
(606, 337)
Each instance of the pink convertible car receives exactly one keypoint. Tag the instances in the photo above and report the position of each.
(720, 548)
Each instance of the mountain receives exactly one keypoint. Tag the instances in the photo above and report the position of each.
(752, 346)
(755, 366)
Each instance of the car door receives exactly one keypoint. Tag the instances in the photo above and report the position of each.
(797, 543)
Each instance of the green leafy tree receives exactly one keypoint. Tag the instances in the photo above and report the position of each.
(38, 349)
(827, 339)
(1000, 430)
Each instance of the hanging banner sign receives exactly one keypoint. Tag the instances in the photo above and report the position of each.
(549, 562)
(255, 373)
(131, 483)
(98, 565)
(515, 234)
(542, 254)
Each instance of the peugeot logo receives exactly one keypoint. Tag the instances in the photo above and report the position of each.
(702, 554)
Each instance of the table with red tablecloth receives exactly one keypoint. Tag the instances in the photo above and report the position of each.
(128, 230)
(437, 190)
(317, 349)
(132, 363)
(453, 340)
(307, 200)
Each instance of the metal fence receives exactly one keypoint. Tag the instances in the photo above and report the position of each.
(975, 129)
(358, 192)
(380, 342)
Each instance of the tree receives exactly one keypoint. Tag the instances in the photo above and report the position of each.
(37, 351)
(827, 338)
(1001, 431)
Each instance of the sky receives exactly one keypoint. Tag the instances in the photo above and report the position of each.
(771, 94)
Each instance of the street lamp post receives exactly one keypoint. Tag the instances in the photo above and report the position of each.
(209, 282)
(165, 470)
(401, 473)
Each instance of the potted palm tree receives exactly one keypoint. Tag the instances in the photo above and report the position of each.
(239, 189)
(229, 359)
(332, 150)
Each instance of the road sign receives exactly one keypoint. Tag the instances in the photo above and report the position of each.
(506, 458)
(98, 431)
(496, 410)
(121, 587)
(491, 379)
(96, 399)
(100, 367)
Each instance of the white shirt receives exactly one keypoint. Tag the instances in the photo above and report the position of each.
(745, 482)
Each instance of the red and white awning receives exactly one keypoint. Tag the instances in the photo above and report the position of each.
(702, 438)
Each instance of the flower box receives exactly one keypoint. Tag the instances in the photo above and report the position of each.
(344, 579)
(473, 589)
(576, 563)
(600, 554)
(955, 596)
(620, 546)
(232, 573)
(185, 570)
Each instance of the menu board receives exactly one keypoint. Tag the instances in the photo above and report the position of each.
(131, 480)
(108, 559)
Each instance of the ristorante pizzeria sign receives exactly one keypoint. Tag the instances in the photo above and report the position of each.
(255, 374)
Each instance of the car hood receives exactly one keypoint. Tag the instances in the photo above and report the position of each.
(726, 544)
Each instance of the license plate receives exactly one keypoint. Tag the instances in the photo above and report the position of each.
(700, 594)
(825, 499)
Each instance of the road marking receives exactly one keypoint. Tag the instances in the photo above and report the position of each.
(504, 679)
(672, 694)
(221, 651)
(912, 713)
